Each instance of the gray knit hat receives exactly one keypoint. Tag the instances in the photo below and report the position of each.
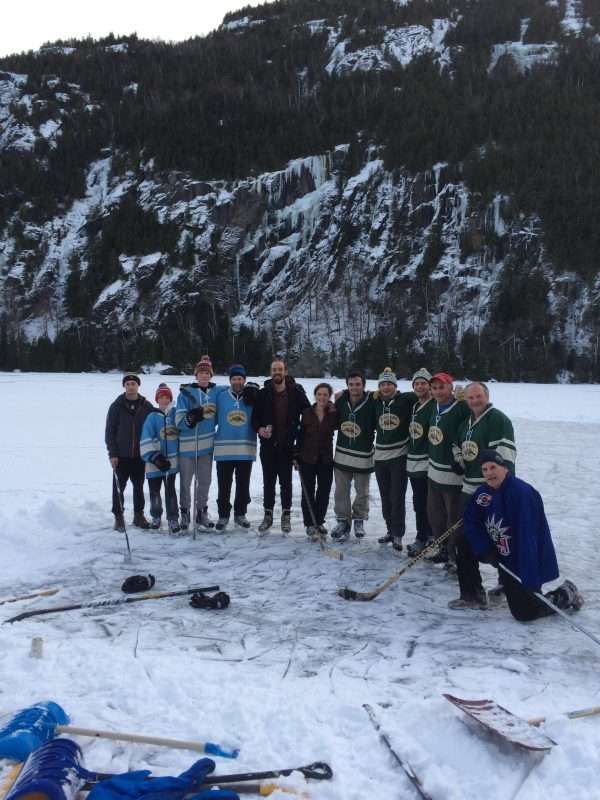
(388, 376)
(422, 373)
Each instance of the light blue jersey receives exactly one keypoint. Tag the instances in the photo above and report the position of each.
(160, 435)
(235, 439)
(202, 435)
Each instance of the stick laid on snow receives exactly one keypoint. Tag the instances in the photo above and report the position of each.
(41, 593)
(108, 603)
(351, 594)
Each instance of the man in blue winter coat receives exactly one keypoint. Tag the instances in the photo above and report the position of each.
(505, 523)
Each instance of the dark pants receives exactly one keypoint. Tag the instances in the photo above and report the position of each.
(392, 481)
(134, 470)
(276, 464)
(225, 472)
(467, 563)
(524, 606)
(443, 510)
(419, 493)
(155, 485)
(319, 476)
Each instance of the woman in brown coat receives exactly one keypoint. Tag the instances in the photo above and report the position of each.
(314, 454)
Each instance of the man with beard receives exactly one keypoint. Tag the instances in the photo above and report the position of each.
(275, 417)
(124, 423)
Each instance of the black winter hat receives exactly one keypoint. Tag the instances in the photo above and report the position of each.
(492, 455)
(131, 376)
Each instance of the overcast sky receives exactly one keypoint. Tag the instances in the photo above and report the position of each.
(27, 24)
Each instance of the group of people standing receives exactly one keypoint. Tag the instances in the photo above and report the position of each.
(431, 436)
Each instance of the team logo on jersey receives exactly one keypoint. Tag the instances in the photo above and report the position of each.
(498, 534)
(389, 422)
(350, 429)
(237, 418)
(435, 435)
(470, 450)
(484, 500)
(415, 430)
(210, 410)
(169, 432)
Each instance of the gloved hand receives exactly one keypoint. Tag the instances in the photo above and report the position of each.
(194, 416)
(491, 557)
(161, 462)
(250, 393)
(137, 583)
(457, 468)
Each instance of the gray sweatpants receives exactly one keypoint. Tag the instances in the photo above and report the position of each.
(343, 507)
(186, 474)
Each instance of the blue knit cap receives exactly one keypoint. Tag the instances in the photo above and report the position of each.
(237, 369)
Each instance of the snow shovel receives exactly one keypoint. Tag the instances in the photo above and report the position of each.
(27, 730)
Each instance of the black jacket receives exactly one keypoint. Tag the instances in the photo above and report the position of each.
(124, 423)
(262, 414)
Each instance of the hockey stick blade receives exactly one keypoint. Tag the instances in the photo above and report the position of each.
(352, 594)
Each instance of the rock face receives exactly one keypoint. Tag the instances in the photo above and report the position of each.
(332, 255)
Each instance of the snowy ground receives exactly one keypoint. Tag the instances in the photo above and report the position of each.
(286, 669)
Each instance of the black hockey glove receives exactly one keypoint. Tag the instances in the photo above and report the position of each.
(161, 462)
(250, 393)
(194, 416)
(138, 583)
(201, 600)
(457, 468)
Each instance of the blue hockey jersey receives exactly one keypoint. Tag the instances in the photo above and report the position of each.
(513, 520)
(203, 434)
(160, 435)
(236, 438)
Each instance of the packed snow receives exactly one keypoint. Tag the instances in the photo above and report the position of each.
(285, 670)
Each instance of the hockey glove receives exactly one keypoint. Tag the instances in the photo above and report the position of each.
(201, 600)
(161, 462)
(250, 393)
(457, 468)
(138, 583)
(194, 416)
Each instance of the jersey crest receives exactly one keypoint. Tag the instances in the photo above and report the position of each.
(350, 429)
(415, 430)
(389, 422)
(237, 418)
(470, 450)
(435, 435)
(498, 534)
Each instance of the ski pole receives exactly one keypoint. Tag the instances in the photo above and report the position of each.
(550, 604)
(327, 551)
(127, 557)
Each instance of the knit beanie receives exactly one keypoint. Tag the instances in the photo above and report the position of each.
(163, 391)
(422, 374)
(237, 369)
(387, 376)
(131, 376)
(204, 365)
(491, 455)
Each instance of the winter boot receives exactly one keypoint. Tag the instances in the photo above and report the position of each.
(119, 523)
(387, 539)
(286, 521)
(241, 521)
(185, 519)
(397, 544)
(140, 521)
(267, 521)
(479, 602)
(359, 528)
(416, 548)
(439, 557)
(341, 532)
(203, 521)
(322, 530)
(313, 533)
(221, 524)
(155, 524)
(174, 528)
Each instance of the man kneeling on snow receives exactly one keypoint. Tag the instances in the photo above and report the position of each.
(505, 524)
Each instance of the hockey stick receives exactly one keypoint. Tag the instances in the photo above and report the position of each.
(351, 594)
(550, 604)
(43, 593)
(127, 557)
(319, 771)
(327, 551)
(579, 714)
(108, 603)
(413, 777)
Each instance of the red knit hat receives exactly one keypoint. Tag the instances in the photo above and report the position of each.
(163, 390)
(204, 365)
(443, 377)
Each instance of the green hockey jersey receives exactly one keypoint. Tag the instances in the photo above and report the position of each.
(392, 418)
(492, 430)
(418, 444)
(443, 450)
(354, 446)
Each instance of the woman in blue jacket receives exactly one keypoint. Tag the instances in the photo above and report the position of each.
(159, 448)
